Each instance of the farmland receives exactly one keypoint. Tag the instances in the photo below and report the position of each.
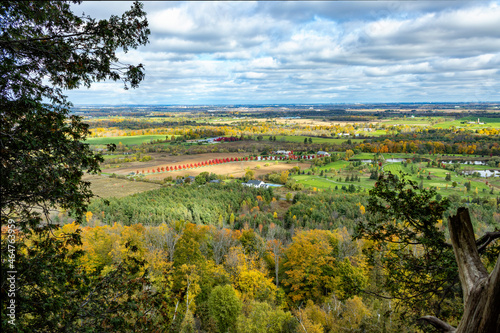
(251, 130)
(256, 238)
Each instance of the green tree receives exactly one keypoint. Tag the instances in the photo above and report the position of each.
(249, 175)
(224, 307)
(201, 179)
(264, 319)
(45, 48)
(422, 267)
(416, 217)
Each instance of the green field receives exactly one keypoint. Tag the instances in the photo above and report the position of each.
(336, 173)
(126, 140)
(334, 165)
(418, 121)
(488, 123)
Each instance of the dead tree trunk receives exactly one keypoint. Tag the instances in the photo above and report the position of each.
(481, 290)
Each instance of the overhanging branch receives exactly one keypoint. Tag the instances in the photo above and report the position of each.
(438, 323)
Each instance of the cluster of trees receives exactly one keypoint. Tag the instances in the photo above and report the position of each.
(138, 127)
(436, 142)
(201, 205)
(237, 129)
(195, 277)
(423, 147)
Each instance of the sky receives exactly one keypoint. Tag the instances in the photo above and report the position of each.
(203, 53)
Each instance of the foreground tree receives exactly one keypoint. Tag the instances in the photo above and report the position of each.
(45, 48)
(421, 267)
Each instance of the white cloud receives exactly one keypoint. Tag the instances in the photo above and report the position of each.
(312, 52)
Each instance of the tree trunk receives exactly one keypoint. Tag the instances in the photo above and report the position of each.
(481, 290)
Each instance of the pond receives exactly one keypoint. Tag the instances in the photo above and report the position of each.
(484, 173)
(467, 162)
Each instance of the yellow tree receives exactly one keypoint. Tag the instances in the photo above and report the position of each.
(314, 269)
(349, 153)
(284, 177)
(309, 265)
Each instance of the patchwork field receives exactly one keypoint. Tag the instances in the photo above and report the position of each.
(333, 175)
(236, 169)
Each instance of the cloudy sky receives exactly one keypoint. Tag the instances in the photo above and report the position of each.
(310, 52)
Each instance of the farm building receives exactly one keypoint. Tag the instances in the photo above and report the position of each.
(183, 180)
(255, 183)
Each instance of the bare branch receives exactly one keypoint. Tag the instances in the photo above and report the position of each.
(438, 323)
(486, 240)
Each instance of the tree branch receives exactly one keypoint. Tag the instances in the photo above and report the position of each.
(438, 323)
(487, 238)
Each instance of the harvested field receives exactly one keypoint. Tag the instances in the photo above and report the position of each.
(161, 160)
(236, 169)
(106, 187)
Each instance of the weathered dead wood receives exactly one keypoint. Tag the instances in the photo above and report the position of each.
(481, 290)
(439, 324)
(470, 268)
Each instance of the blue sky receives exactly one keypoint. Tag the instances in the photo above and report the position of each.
(309, 52)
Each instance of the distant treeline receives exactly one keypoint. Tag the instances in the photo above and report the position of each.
(132, 124)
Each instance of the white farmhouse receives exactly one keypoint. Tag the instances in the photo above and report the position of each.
(255, 183)
(322, 153)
